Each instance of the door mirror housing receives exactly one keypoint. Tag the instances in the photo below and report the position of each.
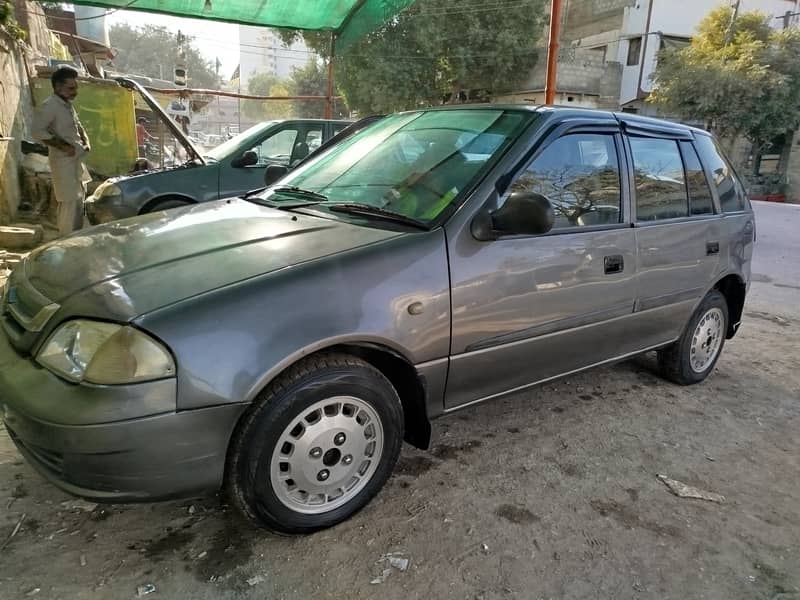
(248, 159)
(523, 213)
(274, 172)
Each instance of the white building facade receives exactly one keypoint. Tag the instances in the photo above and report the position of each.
(261, 50)
(643, 27)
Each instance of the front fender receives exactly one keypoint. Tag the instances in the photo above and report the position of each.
(231, 342)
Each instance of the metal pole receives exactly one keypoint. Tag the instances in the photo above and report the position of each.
(329, 103)
(734, 16)
(552, 52)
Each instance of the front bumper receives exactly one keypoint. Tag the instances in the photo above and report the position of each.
(93, 441)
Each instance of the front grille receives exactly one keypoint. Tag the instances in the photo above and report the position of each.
(24, 311)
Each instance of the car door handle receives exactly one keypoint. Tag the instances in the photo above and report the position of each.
(614, 264)
(712, 248)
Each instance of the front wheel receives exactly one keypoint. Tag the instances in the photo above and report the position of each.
(692, 358)
(317, 445)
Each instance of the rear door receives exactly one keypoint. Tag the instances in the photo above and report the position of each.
(738, 218)
(680, 234)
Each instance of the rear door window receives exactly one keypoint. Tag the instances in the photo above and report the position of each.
(700, 202)
(731, 194)
(660, 180)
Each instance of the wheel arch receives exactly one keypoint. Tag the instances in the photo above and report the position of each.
(391, 363)
(148, 206)
(406, 381)
(734, 289)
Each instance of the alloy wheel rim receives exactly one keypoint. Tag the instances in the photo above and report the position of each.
(706, 340)
(326, 455)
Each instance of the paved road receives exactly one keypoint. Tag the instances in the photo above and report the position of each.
(776, 263)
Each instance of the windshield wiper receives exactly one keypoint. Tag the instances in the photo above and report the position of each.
(375, 211)
(250, 193)
(309, 194)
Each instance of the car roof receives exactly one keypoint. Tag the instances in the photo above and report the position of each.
(571, 111)
(305, 121)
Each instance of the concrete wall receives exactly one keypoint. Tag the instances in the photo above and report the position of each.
(583, 18)
(581, 72)
(793, 172)
(14, 112)
(16, 107)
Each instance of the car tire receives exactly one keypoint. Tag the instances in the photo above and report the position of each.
(165, 205)
(692, 358)
(318, 443)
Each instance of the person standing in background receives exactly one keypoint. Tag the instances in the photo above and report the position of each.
(142, 136)
(56, 124)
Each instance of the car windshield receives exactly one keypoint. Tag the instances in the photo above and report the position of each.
(412, 164)
(234, 144)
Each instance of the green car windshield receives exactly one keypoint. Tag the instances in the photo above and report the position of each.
(414, 164)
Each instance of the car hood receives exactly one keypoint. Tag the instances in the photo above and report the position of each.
(132, 266)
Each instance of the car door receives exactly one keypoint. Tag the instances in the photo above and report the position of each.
(680, 236)
(529, 308)
(285, 144)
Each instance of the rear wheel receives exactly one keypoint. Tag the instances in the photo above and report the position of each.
(692, 358)
(317, 445)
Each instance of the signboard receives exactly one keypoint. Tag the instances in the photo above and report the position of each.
(106, 112)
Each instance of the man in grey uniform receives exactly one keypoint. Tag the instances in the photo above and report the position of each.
(56, 124)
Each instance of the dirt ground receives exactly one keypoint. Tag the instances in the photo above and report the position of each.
(551, 493)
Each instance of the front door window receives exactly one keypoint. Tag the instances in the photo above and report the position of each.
(579, 175)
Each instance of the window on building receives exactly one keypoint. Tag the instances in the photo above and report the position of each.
(700, 202)
(601, 52)
(634, 51)
(660, 182)
(579, 175)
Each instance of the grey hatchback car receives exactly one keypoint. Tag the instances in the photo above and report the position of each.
(284, 345)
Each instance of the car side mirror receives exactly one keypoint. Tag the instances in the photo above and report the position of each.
(523, 213)
(274, 172)
(248, 159)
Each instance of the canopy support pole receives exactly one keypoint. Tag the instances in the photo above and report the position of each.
(329, 96)
(552, 53)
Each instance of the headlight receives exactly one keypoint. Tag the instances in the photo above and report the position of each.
(107, 189)
(110, 190)
(105, 353)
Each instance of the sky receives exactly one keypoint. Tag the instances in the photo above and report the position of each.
(213, 39)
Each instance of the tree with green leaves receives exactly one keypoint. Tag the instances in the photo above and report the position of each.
(309, 80)
(152, 51)
(437, 51)
(738, 76)
(267, 84)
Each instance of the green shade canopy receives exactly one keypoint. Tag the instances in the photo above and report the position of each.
(348, 19)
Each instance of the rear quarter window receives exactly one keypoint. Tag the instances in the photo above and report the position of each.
(730, 190)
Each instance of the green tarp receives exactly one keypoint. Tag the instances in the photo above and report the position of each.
(349, 19)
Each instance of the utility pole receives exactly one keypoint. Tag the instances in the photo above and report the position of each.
(734, 16)
(329, 101)
(552, 52)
